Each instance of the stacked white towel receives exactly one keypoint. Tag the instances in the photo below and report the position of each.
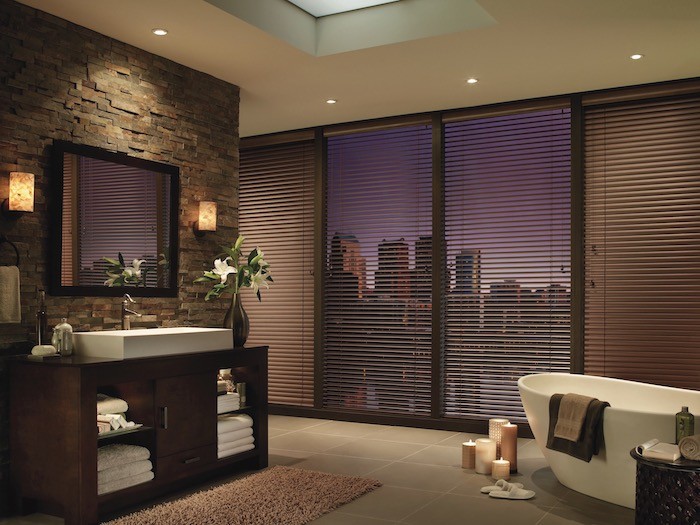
(121, 466)
(228, 403)
(110, 405)
(234, 435)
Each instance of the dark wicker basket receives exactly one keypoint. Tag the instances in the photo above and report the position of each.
(667, 496)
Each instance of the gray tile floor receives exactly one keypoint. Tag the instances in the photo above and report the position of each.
(423, 482)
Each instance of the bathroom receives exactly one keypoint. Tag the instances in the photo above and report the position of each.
(142, 123)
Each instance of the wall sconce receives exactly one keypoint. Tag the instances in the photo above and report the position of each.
(21, 199)
(207, 218)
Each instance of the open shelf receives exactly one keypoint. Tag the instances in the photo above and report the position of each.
(242, 410)
(123, 431)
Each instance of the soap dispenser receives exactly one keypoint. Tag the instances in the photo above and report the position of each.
(685, 424)
(63, 338)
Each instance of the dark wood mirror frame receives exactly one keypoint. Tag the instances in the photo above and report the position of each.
(59, 149)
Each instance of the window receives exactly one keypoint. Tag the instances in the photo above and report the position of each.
(378, 276)
(507, 235)
(277, 214)
(642, 241)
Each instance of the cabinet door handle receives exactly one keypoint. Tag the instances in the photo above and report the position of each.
(191, 460)
(164, 418)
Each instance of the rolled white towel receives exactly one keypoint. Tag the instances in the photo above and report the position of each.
(231, 423)
(690, 447)
(221, 447)
(234, 451)
(110, 405)
(104, 488)
(228, 437)
(118, 454)
(127, 470)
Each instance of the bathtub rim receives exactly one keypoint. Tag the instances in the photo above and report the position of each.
(523, 386)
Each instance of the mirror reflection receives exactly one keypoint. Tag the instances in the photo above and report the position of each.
(118, 224)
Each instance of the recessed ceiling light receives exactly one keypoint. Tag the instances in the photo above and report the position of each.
(472, 81)
(331, 101)
(159, 31)
(636, 56)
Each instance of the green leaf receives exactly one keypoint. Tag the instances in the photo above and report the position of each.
(121, 259)
(259, 297)
(269, 278)
(113, 262)
(231, 252)
(252, 255)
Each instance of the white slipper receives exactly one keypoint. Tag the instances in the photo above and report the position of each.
(513, 492)
(501, 484)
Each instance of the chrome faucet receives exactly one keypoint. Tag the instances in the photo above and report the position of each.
(127, 312)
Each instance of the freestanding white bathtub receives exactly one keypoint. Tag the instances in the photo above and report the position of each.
(638, 412)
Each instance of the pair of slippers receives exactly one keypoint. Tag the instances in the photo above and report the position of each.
(504, 490)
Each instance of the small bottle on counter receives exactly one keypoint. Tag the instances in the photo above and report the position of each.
(41, 319)
(62, 338)
(685, 424)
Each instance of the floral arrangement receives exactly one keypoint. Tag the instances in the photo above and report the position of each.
(122, 275)
(253, 273)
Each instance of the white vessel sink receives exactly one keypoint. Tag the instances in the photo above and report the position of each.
(149, 342)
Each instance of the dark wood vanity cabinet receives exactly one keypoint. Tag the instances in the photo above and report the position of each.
(54, 440)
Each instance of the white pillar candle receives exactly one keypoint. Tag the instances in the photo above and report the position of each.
(495, 425)
(509, 445)
(485, 454)
(500, 469)
(468, 454)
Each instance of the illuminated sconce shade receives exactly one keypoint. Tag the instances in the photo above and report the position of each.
(207, 218)
(21, 198)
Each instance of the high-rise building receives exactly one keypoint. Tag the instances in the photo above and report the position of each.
(347, 265)
(468, 272)
(392, 278)
(422, 278)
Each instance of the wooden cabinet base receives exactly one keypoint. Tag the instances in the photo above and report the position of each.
(53, 433)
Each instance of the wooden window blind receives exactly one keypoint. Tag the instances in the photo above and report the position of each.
(507, 235)
(117, 215)
(277, 214)
(377, 310)
(642, 241)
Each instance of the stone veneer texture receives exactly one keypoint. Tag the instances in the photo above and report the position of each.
(62, 81)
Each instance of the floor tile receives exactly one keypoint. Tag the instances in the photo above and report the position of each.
(423, 477)
(456, 440)
(338, 518)
(349, 466)
(347, 429)
(376, 449)
(303, 440)
(593, 515)
(437, 455)
(287, 458)
(413, 435)
(390, 503)
(272, 432)
(293, 423)
(455, 509)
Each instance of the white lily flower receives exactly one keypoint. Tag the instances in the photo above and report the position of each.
(222, 269)
(256, 280)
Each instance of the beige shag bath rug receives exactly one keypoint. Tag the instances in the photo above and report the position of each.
(275, 496)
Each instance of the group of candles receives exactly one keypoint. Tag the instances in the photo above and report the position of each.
(483, 455)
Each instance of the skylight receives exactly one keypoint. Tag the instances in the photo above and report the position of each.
(319, 8)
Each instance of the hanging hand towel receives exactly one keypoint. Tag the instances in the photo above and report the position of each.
(10, 309)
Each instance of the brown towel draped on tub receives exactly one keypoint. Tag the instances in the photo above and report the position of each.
(591, 437)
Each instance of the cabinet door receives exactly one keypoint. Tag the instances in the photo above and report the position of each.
(185, 412)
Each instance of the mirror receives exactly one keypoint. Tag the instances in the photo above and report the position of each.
(115, 224)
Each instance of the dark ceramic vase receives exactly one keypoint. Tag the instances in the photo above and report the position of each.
(237, 320)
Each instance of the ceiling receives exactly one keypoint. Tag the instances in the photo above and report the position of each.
(534, 48)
